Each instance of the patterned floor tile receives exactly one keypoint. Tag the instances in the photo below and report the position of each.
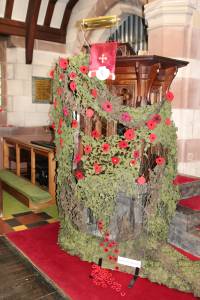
(19, 228)
(25, 220)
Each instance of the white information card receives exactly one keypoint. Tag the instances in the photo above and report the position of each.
(129, 262)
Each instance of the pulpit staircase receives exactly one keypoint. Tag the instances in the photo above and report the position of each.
(184, 229)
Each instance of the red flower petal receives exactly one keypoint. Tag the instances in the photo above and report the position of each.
(160, 160)
(129, 134)
(74, 123)
(72, 86)
(94, 93)
(169, 96)
(63, 63)
(141, 180)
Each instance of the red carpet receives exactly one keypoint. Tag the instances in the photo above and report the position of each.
(188, 255)
(72, 275)
(193, 202)
(181, 179)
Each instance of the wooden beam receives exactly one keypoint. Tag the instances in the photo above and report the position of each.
(31, 24)
(12, 27)
(50, 34)
(68, 10)
(49, 12)
(9, 8)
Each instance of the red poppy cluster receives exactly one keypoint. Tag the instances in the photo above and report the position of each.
(129, 134)
(109, 246)
(104, 278)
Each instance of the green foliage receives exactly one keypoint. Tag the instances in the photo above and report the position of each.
(97, 189)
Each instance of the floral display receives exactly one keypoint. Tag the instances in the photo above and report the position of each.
(93, 168)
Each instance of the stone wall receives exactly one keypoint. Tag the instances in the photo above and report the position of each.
(21, 111)
(174, 31)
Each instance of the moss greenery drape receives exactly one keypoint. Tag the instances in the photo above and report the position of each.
(92, 178)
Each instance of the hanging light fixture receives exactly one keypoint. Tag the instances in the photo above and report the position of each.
(99, 22)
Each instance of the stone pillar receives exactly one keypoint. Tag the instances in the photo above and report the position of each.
(174, 31)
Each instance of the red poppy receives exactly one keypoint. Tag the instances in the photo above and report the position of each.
(132, 162)
(72, 86)
(107, 106)
(65, 111)
(110, 245)
(51, 74)
(53, 125)
(59, 131)
(60, 122)
(63, 63)
(126, 117)
(100, 224)
(156, 118)
(61, 77)
(168, 122)
(116, 251)
(106, 240)
(110, 257)
(94, 93)
(129, 134)
(77, 158)
(105, 249)
(105, 148)
(122, 144)
(101, 244)
(83, 69)
(59, 91)
(72, 75)
(141, 180)
(89, 113)
(136, 154)
(74, 123)
(88, 149)
(160, 160)
(169, 96)
(115, 160)
(97, 168)
(151, 124)
(152, 137)
(95, 134)
(79, 175)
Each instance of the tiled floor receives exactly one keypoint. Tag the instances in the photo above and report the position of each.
(25, 220)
